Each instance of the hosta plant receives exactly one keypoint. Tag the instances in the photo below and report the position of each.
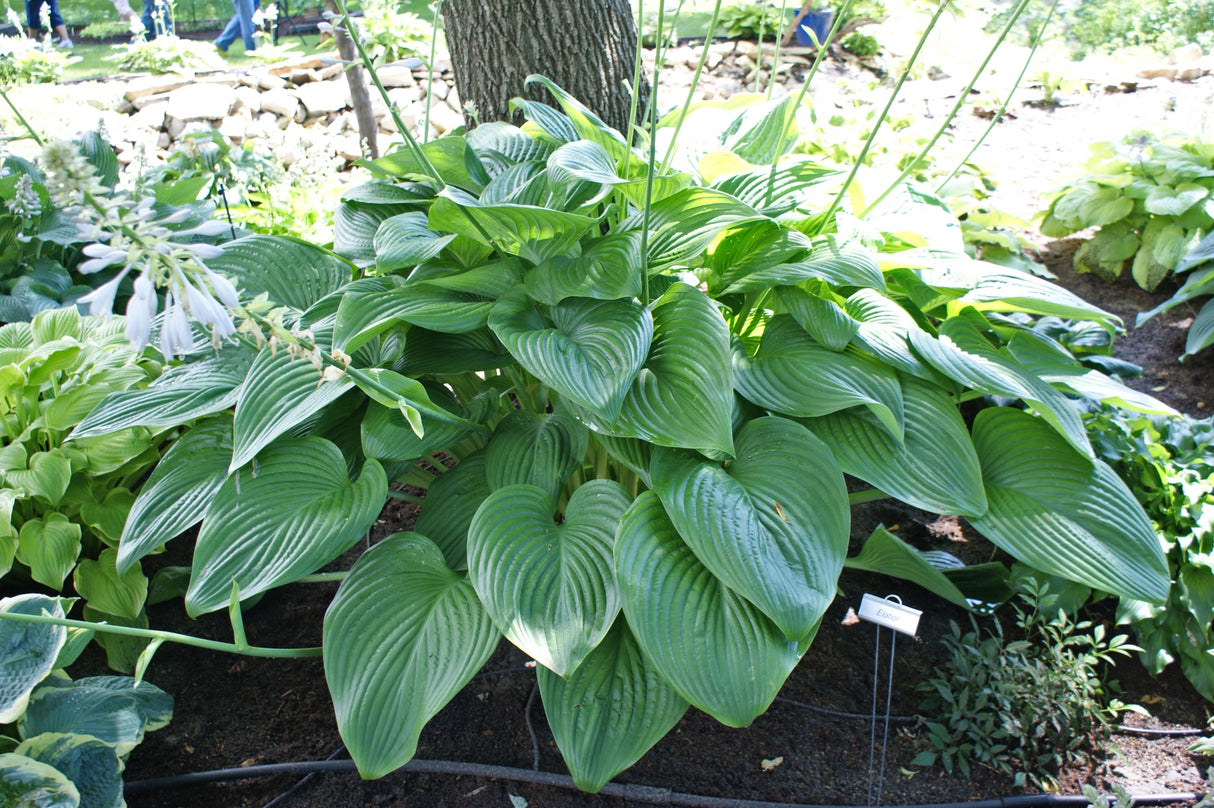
(632, 397)
(64, 743)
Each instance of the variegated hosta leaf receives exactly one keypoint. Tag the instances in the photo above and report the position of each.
(30, 650)
(88, 763)
(113, 709)
(610, 711)
(607, 269)
(715, 649)
(179, 490)
(549, 587)
(403, 634)
(279, 392)
(532, 449)
(297, 513)
(963, 354)
(451, 502)
(792, 375)
(1062, 512)
(773, 527)
(591, 352)
(683, 395)
(28, 782)
(934, 467)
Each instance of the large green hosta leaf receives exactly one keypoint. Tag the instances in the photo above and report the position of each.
(297, 513)
(793, 376)
(28, 783)
(886, 554)
(607, 269)
(549, 587)
(716, 649)
(451, 502)
(404, 633)
(532, 232)
(682, 396)
(587, 125)
(532, 449)
(364, 315)
(934, 467)
(280, 391)
(683, 224)
(405, 240)
(179, 490)
(290, 271)
(610, 711)
(27, 651)
(1062, 512)
(591, 352)
(820, 315)
(773, 526)
(848, 264)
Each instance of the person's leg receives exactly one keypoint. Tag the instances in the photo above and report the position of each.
(58, 25)
(33, 18)
(229, 34)
(156, 18)
(244, 12)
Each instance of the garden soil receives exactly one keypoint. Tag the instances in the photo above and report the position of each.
(816, 744)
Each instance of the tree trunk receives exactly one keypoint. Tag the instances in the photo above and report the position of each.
(586, 47)
(360, 95)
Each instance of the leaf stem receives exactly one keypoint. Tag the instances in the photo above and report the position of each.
(869, 495)
(322, 578)
(21, 118)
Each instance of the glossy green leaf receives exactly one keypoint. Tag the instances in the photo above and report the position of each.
(610, 711)
(1093, 205)
(290, 271)
(821, 317)
(431, 352)
(92, 766)
(113, 709)
(1002, 289)
(364, 315)
(886, 554)
(28, 783)
(773, 527)
(549, 587)
(532, 232)
(1201, 332)
(451, 502)
(682, 395)
(607, 269)
(793, 376)
(405, 240)
(793, 176)
(591, 352)
(684, 224)
(584, 161)
(355, 226)
(49, 546)
(849, 264)
(587, 125)
(27, 651)
(403, 634)
(884, 330)
(280, 392)
(450, 156)
(98, 582)
(933, 468)
(715, 649)
(528, 448)
(1063, 513)
(111, 452)
(296, 514)
(179, 490)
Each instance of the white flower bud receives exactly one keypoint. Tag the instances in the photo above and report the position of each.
(140, 310)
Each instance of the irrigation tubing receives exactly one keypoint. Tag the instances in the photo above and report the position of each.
(650, 795)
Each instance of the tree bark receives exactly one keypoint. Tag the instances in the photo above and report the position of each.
(587, 47)
(360, 94)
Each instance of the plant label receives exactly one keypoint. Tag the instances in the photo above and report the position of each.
(889, 613)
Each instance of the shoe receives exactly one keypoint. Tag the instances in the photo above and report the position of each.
(66, 44)
(221, 49)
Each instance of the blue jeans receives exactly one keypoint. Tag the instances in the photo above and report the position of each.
(242, 23)
(149, 22)
(33, 13)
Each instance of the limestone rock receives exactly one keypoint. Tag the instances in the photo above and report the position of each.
(151, 117)
(1189, 53)
(444, 119)
(249, 98)
(1158, 72)
(268, 81)
(154, 85)
(324, 96)
(201, 102)
(234, 127)
(396, 76)
(281, 102)
(144, 101)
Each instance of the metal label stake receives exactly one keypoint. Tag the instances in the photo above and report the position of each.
(890, 613)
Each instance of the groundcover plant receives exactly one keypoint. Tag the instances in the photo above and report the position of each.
(632, 396)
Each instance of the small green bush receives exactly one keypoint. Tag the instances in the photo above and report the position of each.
(752, 20)
(861, 45)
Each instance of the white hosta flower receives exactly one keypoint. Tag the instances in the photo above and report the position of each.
(201, 251)
(207, 310)
(140, 310)
(103, 255)
(101, 299)
(212, 227)
(223, 288)
(175, 336)
(25, 202)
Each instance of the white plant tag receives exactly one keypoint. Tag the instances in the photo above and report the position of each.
(889, 613)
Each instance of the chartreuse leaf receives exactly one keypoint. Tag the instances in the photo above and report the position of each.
(182, 394)
(773, 527)
(549, 587)
(532, 449)
(106, 518)
(792, 375)
(934, 467)
(403, 634)
(886, 554)
(607, 269)
(451, 502)
(280, 391)
(682, 395)
(715, 649)
(179, 490)
(290, 271)
(99, 582)
(49, 546)
(591, 352)
(27, 651)
(92, 766)
(610, 711)
(299, 512)
(113, 709)
(29, 783)
(46, 477)
(1064, 513)
(451, 157)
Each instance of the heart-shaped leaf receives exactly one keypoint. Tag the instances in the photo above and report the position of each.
(299, 512)
(550, 588)
(610, 711)
(607, 269)
(47, 477)
(405, 240)
(403, 634)
(717, 650)
(99, 583)
(532, 449)
(773, 527)
(591, 352)
(113, 709)
(1062, 512)
(934, 467)
(49, 547)
(529, 231)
